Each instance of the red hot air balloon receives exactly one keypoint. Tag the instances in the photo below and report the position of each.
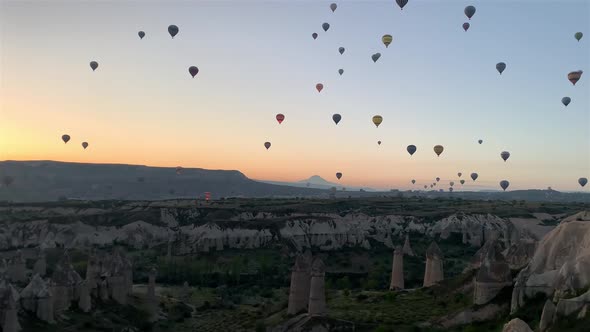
(574, 76)
(319, 87)
(280, 117)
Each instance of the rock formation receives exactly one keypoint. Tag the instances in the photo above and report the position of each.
(567, 307)
(117, 272)
(407, 248)
(151, 298)
(65, 283)
(84, 302)
(9, 299)
(493, 275)
(520, 254)
(16, 269)
(317, 292)
(40, 266)
(547, 316)
(36, 298)
(397, 269)
(516, 325)
(434, 265)
(300, 283)
(560, 265)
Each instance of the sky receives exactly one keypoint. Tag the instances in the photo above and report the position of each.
(435, 84)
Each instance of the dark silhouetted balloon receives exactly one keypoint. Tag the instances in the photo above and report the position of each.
(500, 66)
(314, 35)
(578, 36)
(474, 176)
(377, 119)
(469, 11)
(505, 155)
(93, 65)
(141, 34)
(574, 76)
(267, 145)
(459, 174)
(379, 142)
(437, 179)
(504, 184)
(566, 100)
(333, 6)
(462, 181)
(438, 149)
(451, 183)
(173, 30)
(341, 71)
(450, 189)
(336, 117)
(84, 145)
(319, 87)
(65, 138)
(411, 149)
(413, 181)
(341, 50)
(280, 117)
(425, 186)
(193, 71)
(325, 26)
(338, 175)
(375, 57)
(582, 181)
(480, 141)
(401, 3)
(466, 26)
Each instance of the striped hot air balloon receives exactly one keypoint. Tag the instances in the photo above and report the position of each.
(386, 39)
(574, 76)
(280, 117)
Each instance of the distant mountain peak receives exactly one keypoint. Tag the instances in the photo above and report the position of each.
(316, 179)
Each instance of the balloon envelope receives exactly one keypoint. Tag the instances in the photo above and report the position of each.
(469, 11)
(141, 34)
(505, 155)
(466, 26)
(267, 145)
(314, 35)
(340, 71)
(452, 183)
(336, 117)
(462, 181)
(377, 119)
(280, 117)
(474, 176)
(193, 70)
(379, 142)
(401, 3)
(578, 36)
(582, 181)
(437, 179)
(341, 50)
(375, 57)
(459, 174)
(172, 30)
(338, 175)
(386, 39)
(319, 87)
(504, 184)
(65, 138)
(413, 181)
(411, 149)
(438, 149)
(93, 65)
(500, 66)
(333, 6)
(566, 100)
(325, 26)
(480, 141)
(84, 145)
(574, 76)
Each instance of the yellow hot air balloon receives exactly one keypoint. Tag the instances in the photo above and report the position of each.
(377, 119)
(438, 149)
(387, 39)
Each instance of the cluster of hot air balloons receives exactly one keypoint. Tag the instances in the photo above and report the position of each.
(66, 138)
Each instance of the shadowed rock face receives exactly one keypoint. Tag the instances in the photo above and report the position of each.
(560, 265)
(516, 325)
(433, 272)
(493, 275)
(317, 292)
(9, 299)
(547, 316)
(300, 284)
(407, 247)
(397, 269)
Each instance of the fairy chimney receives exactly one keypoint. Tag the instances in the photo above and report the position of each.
(16, 269)
(84, 303)
(407, 248)
(300, 282)
(397, 269)
(10, 323)
(40, 266)
(317, 291)
(434, 265)
(493, 275)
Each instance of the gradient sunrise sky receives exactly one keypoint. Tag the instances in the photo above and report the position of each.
(435, 84)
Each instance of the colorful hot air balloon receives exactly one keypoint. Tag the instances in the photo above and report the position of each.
(574, 76)
(340, 71)
(451, 183)
(65, 138)
(504, 184)
(377, 119)
(375, 57)
(500, 66)
(172, 30)
(411, 149)
(386, 39)
(413, 181)
(333, 6)
(93, 65)
(267, 145)
(193, 71)
(462, 182)
(280, 117)
(141, 34)
(341, 50)
(325, 26)
(438, 149)
(336, 117)
(459, 174)
(480, 141)
(84, 145)
(474, 176)
(401, 3)
(578, 36)
(314, 35)
(319, 87)
(582, 181)
(469, 11)
(566, 100)
(505, 155)
(338, 175)
(466, 26)
(437, 179)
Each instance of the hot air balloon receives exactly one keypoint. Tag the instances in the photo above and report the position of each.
(178, 170)
(319, 87)
(480, 141)
(401, 3)
(379, 142)
(314, 35)
(450, 189)
(425, 186)
(65, 138)
(333, 6)
(173, 30)
(338, 175)
(505, 155)
(84, 145)
(469, 11)
(578, 36)
(193, 71)
(377, 119)
(325, 26)
(434, 184)
(466, 26)
(93, 65)
(500, 66)
(438, 149)
(504, 184)
(431, 186)
(437, 179)
(375, 57)
(411, 149)
(462, 182)
(341, 50)
(7, 180)
(474, 176)
(280, 117)
(267, 145)
(413, 181)
(452, 183)
(340, 71)
(582, 181)
(574, 76)
(336, 117)
(141, 34)
(459, 174)
(386, 39)
(566, 100)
